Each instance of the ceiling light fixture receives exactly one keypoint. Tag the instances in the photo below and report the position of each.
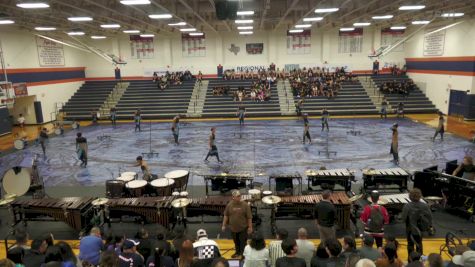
(246, 33)
(361, 24)
(245, 13)
(76, 33)
(147, 35)
(97, 37)
(32, 5)
(6, 21)
(303, 25)
(45, 28)
(326, 10)
(135, 2)
(110, 26)
(313, 19)
(177, 24)
(452, 15)
(398, 28)
(420, 22)
(347, 29)
(383, 17)
(80, 19)
(160, 16)
(243, 21)
(188, 30)
(131, 31)
(245, 27)
(295, 31)
(417, 7)
(196, 34)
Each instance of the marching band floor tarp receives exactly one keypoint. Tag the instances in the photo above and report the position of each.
(259, 148)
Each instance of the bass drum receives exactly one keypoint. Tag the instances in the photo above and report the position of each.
(17, 181)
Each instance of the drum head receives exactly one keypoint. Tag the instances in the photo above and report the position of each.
(162, 182)
(267, 193)
(136, 184)
(127, 174)
(17, 181)
(19, 144)
(126, 178)
(254, 191)
(176, 174)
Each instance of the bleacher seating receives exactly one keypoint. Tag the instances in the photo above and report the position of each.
(351, 99)
(153, 102)
(90, 96)
(415, 102)
(225, 106)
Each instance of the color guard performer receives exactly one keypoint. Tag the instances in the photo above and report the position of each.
(241, 113)
(440, 128)
(113, 116)
(325, 117)
(384, 108)
(213, 149)
(81, 149)
(176, 128)
(306, 133)
(137, 120)
(394, 144)
(140, 162)
(467, 167)
(42, 139)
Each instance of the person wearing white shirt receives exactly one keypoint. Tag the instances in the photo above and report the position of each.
(256, 254)
(306, 247)
(21, 120)
(275, 247)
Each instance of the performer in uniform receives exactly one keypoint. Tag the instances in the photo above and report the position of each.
(467, 167)
(241, 113)
(43, 138)
(213, 149)
(113, 116)
(200, 78)
(238, 217)
(325, 117)
(137, 120)
(400, 110)
(440, 128)
(81, 148)
(140, 162)
(176, 128)
(306, 133)
(94, 116)
(298, 107)
(384, 108)
(394, 144)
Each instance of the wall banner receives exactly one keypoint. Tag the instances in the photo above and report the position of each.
(391, 37)
(434, 44)
(141, 47)
(20, 89)
(350, 42)
(49, 53)
(254, 48)
(193, 46)
(299, 43)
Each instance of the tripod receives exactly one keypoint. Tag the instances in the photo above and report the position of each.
(150, 153)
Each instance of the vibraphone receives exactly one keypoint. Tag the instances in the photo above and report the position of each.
(151, 209)
(75, 211)
(304, 207)
(224, 182)
(330, 178)
(373, 179)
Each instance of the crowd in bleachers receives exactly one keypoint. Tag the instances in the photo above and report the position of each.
(171, 78)
(397, 87)
(259, 91)
(313, 82)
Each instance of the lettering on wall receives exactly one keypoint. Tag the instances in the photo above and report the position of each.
(434, 44)
(49, 53)
(141, 47)
(193, 46)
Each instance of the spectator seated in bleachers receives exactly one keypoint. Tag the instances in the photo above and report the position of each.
(221, 90)
(395, 87)
(171, 78)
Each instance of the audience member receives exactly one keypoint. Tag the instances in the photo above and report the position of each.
(159, 257)
(109, 259)
(457, 260)
(129, 256)
(333, 248)
(6, 263)
(365, 263)
(389, 258)
(177, 242)
(325, 213)
(185, 258)
(306, 247)
(145, 246)
(53, 257)
(205, 248)
(220, 262)
(290, 248)
(415, 260)
(435, 260)
(16, 255)
(350, 253)
(114, 243)
(275, 247)
(256, 254)
(374, 217)
(90, 247)
(67, 254)
(21, 239)
(161, 241)
(367, 251)
(35, 256)
(468, 258)
(321, 256)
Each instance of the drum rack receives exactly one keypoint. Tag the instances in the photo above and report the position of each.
(150, 154)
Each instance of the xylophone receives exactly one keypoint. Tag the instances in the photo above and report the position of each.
(373, 179)
(303, 207)
(151, 209)
(75, 211)
(330, 178)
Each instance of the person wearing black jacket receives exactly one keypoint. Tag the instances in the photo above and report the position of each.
(35, 256)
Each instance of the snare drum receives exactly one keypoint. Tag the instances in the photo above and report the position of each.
(136, 188)
(115, 188)
(19, 144)
(180, 177)
(163, 186)
(266, 193)
(255, 194)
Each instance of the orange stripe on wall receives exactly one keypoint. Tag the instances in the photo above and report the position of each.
(43, 70)
(55, 82)
(420, 59)
(443, 72)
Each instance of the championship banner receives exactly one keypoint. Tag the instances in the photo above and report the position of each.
(254, 48)
(141, 47)
(20, 89)
(390, 37)
(49, 53)
(193, 46)
(350, 42)
(299, 42)
(434, 43)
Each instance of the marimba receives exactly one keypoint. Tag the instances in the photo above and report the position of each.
(75, 211)
(373, 179)
(211, 205)
(304, 207)
(224, 182)
(327, 179)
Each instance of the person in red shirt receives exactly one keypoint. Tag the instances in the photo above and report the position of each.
(374, 217)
